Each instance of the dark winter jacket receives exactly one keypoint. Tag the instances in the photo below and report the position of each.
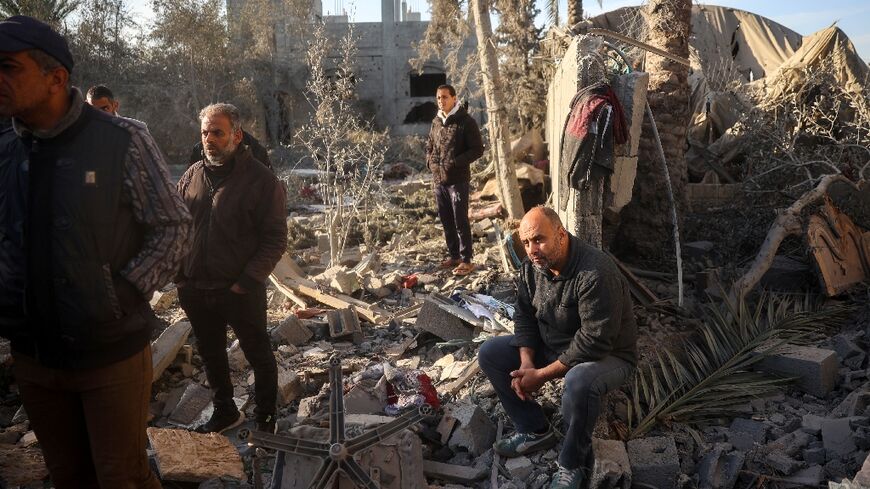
(239, 223)
(89, 226)
(452, 146)
(584, 313)
(257, 150)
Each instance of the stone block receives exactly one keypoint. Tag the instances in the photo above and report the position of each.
(519, 467)
(323, 243)
(756, 429)
(719, 470)
(812, 424)
(611, 470)
(166, 346)
(443, 324)
(837, 437)
(791, 443)
(344, 322)
(345, 281)
(308, 407)
(654, 461)
(815, 368)
(474, 430)
(289, 386)
(814, 456)
(162, 301)
(292, 331)
(811, 476)
(185, 456)
(359, 401)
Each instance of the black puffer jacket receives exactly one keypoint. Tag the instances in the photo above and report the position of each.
(452, 146)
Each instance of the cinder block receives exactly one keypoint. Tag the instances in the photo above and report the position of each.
(718, 470)
(815, 368)
(654, 461)
(289, 386)
(756, 429)
(438, 321)
(612, 468)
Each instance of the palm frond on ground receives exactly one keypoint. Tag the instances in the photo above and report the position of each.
(711, 376)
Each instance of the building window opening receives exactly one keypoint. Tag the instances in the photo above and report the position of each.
(425, 85)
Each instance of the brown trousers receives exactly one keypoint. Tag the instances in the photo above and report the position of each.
(91, 423)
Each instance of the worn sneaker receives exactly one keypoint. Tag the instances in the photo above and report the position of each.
(266, 424)
(221, 421)
(567, 478)
(524, 443)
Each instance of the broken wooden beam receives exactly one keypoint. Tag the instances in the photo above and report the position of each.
(639, 291)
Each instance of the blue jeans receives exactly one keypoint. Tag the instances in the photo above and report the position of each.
(585, 383)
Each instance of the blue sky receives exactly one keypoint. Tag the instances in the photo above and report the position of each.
(803, 16)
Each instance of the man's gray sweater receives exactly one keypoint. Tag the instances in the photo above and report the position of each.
(584, 313)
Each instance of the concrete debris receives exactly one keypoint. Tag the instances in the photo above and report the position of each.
(185, 456)
(289, 386)
(452, 473)
(443, 322)
(782, 463)
(21, 466)
(612, 469)
(292, 331)
(519, 467)
(194, 399)
(719, 470)
(236, 357)
(654, 461)
(814, 368)
(344, 322)
(166, 346)
(837, 435)
(474, 432)
(163, 301)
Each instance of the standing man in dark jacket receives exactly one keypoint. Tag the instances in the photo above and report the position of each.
(574, 320)
(258, 151)
(454, 143)
(90, 226)
(239, 234)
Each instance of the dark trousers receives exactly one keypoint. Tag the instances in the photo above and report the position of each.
(210, 311)
(91, 423)
(585, 383)
(453, 211)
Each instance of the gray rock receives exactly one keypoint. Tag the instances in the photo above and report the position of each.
(812, 424)
(756, 429)
(612, 469)
(718, 470)
(852, 405)
(792, 443)
(782, 463)
(814, 455)
(519, 467)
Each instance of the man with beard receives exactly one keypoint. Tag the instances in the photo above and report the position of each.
(239, 234)
(574, 320)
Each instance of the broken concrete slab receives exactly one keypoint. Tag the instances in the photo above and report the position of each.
(289, 386)
(654, 461)
(814, 368)
(782, 463)
(853, 404)
(791, 443)
(166, 346)
(236, 357)
(360, 401)
(186, 456)
(837, 437)
(292, 331)
(811, 476)
(719, 470)
(519, 467)
(612, 469)
(451, 472)
(863, 476)
(756, 429)
(812, 424)
(194, 399)
(443, 322)
(474, 431)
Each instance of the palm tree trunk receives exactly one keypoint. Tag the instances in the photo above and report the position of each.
(575, 12)
(497, 120)
(645, 222)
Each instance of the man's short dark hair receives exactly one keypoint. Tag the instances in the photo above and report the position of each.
(449, 88)
(100, 91)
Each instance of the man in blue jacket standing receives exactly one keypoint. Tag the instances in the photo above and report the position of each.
(90, 226)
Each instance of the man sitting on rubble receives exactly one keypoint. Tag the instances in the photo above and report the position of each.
(574, 320)
(239, 234)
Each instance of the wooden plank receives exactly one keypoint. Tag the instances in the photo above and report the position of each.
(287, 291)
(164, 348)
(470, 371)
